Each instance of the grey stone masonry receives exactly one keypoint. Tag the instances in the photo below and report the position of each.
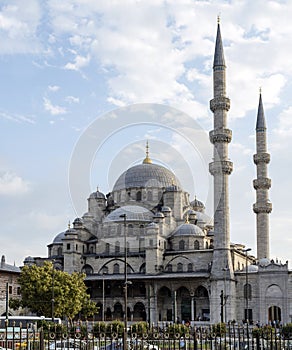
(263, 207)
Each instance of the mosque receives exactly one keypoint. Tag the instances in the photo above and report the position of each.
(148, 241)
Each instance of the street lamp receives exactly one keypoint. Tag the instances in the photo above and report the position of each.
(246, 286)
(225, 296)
(124, 216)
(53, 292)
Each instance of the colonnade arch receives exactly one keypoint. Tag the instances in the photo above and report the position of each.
(182, 304)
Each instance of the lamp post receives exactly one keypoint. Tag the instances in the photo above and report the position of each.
(103, 297)
(225, 296)
(53, 292)
(246, 286)
(124, 216)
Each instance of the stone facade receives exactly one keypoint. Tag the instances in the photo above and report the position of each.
(179, 262)
(9, 287)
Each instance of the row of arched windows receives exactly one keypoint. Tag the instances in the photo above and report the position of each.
(182, 245)
(179, 267)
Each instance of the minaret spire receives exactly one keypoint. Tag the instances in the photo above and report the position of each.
(262, 184)
(222, 273)
(147, 159)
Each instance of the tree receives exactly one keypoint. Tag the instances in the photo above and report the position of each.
(40, 284)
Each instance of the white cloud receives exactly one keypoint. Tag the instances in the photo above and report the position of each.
(54, 88)
(12, 184)
(54, 110)
(79, 62)
(72, 99)
(19, 25)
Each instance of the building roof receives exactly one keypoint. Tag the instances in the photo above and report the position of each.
(146, 175)
(132, 212)
(219, 54)
(261, 122)
(4, 267)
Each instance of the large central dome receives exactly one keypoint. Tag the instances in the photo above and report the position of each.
(146, 175)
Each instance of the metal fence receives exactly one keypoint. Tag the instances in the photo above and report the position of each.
(96, 336)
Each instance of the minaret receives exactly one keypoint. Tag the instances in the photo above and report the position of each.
(222, 276)
(261, 184)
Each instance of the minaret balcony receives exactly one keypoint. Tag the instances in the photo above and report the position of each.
(263, 183)
(220, 135)
(261, 158)
(220, 103)
(262, 207)
(223, 167)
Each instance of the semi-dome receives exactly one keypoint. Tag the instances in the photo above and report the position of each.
(146, 175)
(58, 239)
(188, 230)
(132, 212)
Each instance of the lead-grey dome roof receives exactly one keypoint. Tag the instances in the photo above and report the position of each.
(59, 237)
(188, 230)
(146, 175)
(132, 212)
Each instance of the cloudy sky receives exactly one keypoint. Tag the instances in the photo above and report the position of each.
(83, 84)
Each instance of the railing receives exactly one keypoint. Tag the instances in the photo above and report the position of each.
(102, 336)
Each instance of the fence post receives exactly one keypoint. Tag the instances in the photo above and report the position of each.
(42, 343)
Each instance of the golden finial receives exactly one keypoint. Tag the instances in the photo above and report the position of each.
(69, 225)
(147, 160)
(218, 19)
(260, 89)
(187, 219)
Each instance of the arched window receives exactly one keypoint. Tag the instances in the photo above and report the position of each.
(119, 229)
(179, 267)
(247, 291)
(60, 251)
(141, 229)
(149, 196)
(105, 270)
(116, 268)
(107, 248)
(117, 247)
(169, 268)
(207, 245)
(130, 229)
(87, 269)
(138, 196)
(181, 245)
(190, 267)
(196, 245)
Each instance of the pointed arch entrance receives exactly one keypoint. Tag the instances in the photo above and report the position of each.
(139, 313)
(184, 304)
(165, 304)
(274, 298)
(202, 304)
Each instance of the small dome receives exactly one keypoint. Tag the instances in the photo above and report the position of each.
(59, 237)
(264, 262)
(29, 260)
(97, 195)
(78, 221)
(188, 230)
(197, 205)
(166, 209)
(132, 212)
(158, 215)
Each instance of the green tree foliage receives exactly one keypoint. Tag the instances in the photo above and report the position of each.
(41, 284)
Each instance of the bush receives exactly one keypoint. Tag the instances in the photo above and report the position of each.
(219, 329)
(287, 331)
